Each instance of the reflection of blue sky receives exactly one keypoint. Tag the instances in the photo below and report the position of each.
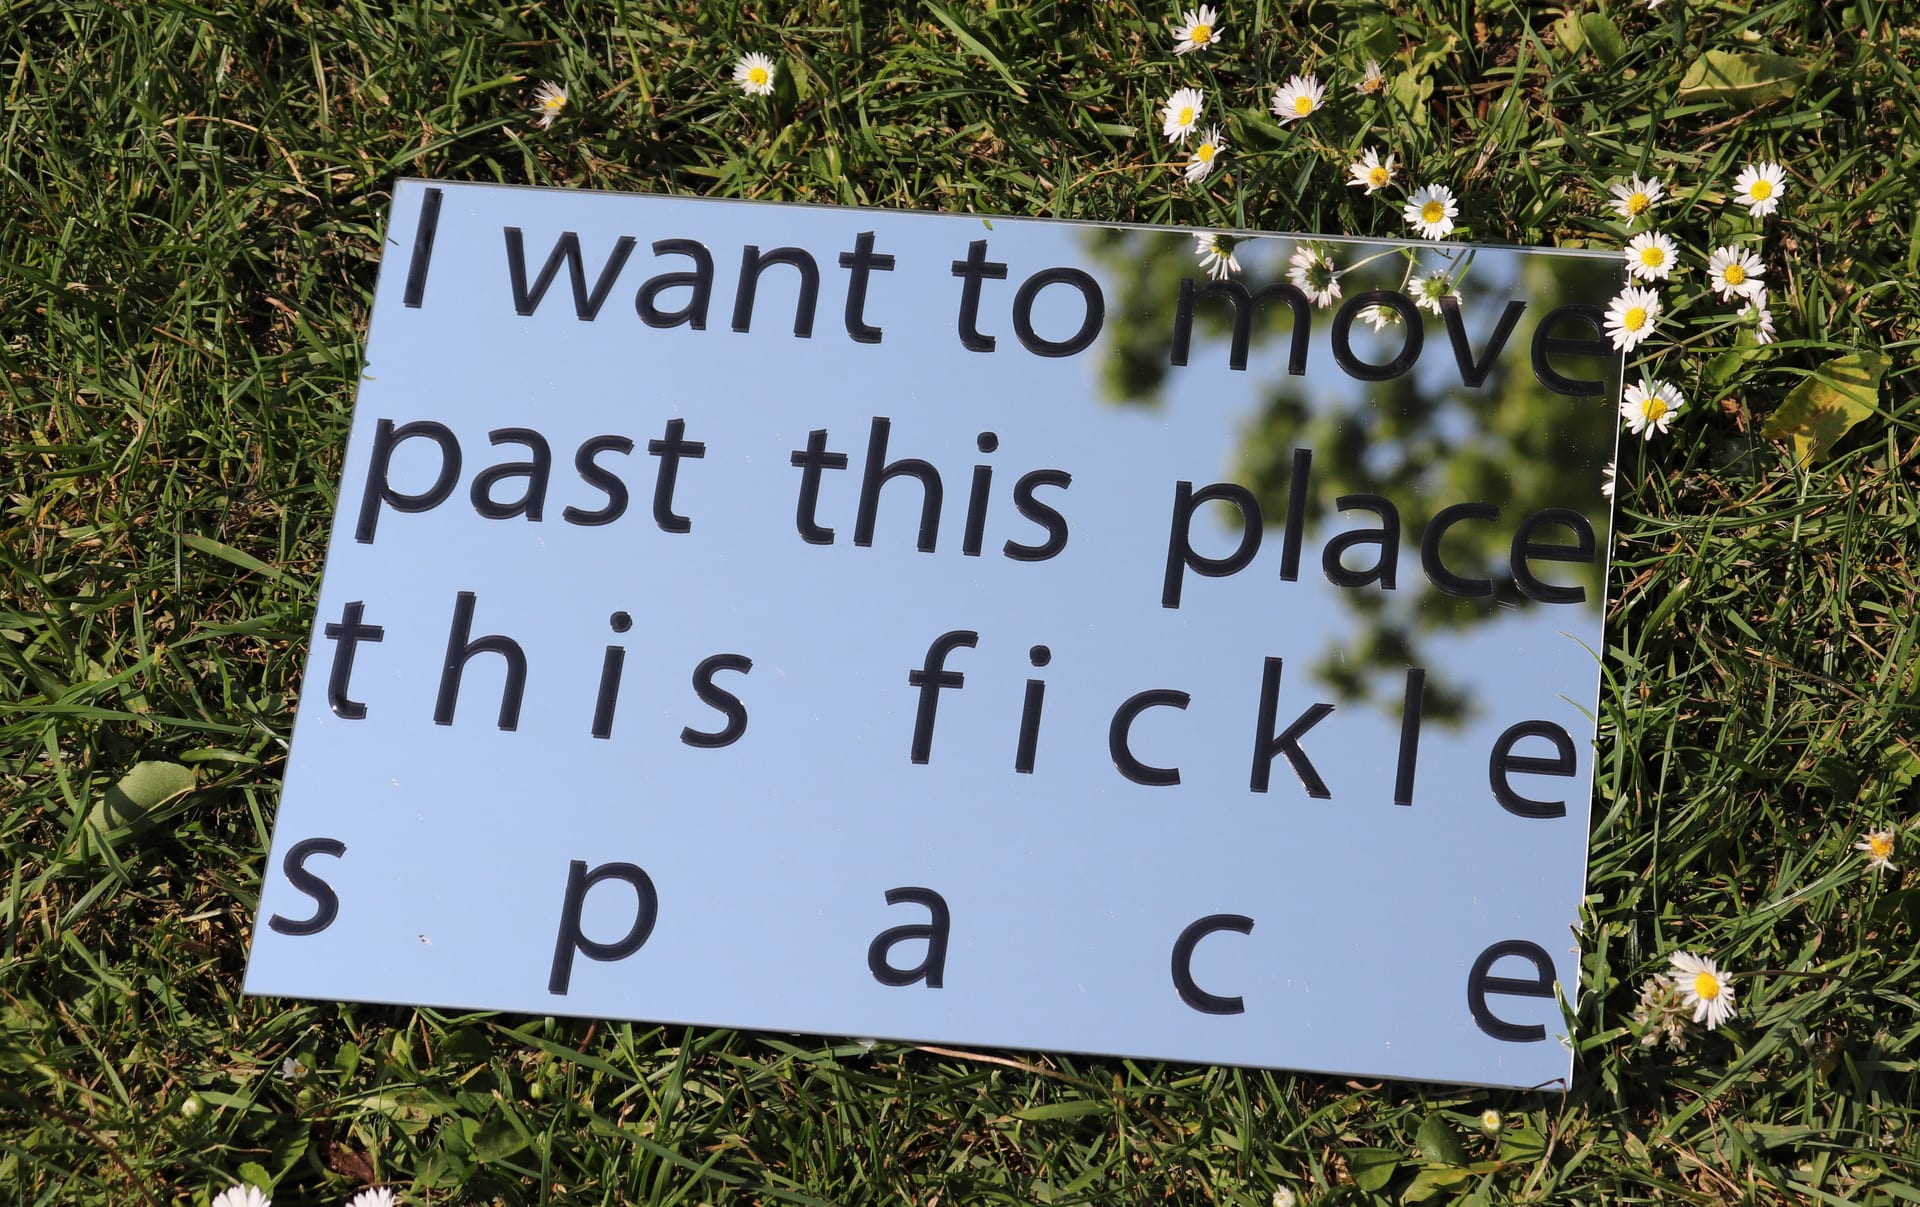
(1069, 885)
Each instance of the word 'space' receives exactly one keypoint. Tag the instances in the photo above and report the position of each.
(571, 941)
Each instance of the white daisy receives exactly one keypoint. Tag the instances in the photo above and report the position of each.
(1607, 479)
(1757, 313)
(1428, 290)
(1758, 187)
(1216, 254)
(1636, 197)
(1381, 317)
(1431, 211)
(1734, 272)
(1371, 172)
(1199, 29)
(548, 100)
(1708, 990)
(241, 1196)
(1490, 1122)
(1631, 316)
(1297, 98)
(375, 1196)
(1879, 848)
(754, 73)
(1181, 114)
(1284, 1197)
(1314, 273)
(1374, 82)
(1205, 154)
(1649, 407)
(1650, 255)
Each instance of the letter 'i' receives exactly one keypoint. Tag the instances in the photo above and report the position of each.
(1040, 655)
(977, 499)
(610, 667)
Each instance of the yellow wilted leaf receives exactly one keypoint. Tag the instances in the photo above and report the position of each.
(1827, 404)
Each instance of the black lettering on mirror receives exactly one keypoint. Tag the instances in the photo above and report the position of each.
(700, 281)
(1183, 947)
(1436, 567)
(570, 939)
(1120, 732)
(1527, 550)
(349, 633)
(720, 700)
(327, 902)
(1473, 373)
(600, 478)
(877, 474)
(753, 263)
(460, 649)
(1181, 555)
(1413, 335)
(933, 968)
(1546, 344)
(930, 678)
(1480, 983)
(1503, 763)
(1266, 744)
(1093, 311)
(586, 305)
(670, 450)
(810, 462)
(860, 262)
(1244, 305)
(532, 502)
(972, 270)
(386, 438)
(1386, 538)
(423, 232)
(1050, 520)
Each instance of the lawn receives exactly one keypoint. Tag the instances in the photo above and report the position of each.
(193, 199)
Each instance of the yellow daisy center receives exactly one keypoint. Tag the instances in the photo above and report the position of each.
(1879, 846)
(1377, 177)
(1205, 152)
(1185, 117)
(1735, 274)
(756, 76)
(1432, 212)
(1762, 189)
(1706, 986)
(554, 102)
(1201, 35)
(1373, 83)
(1653, 256)
(1303, 104)
(1634, 319)
(1638, 203)
(1654, 409)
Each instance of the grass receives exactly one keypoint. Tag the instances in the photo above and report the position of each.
(193, 196)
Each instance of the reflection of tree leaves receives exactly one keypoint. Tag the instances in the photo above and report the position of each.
(1511, 442)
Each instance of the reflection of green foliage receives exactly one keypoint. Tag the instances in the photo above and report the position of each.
(1511, 442)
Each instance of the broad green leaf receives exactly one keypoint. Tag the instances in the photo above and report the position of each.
(1827, 404)
(139, 792)
(1440, 1143)
(1372, 1168)
(1568, 37)
(497, 1140)
(1522, 1144)
(1064, 1110)
(253, 1174)
(1744, 79)
(1431, 1181)
(1603, 38)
